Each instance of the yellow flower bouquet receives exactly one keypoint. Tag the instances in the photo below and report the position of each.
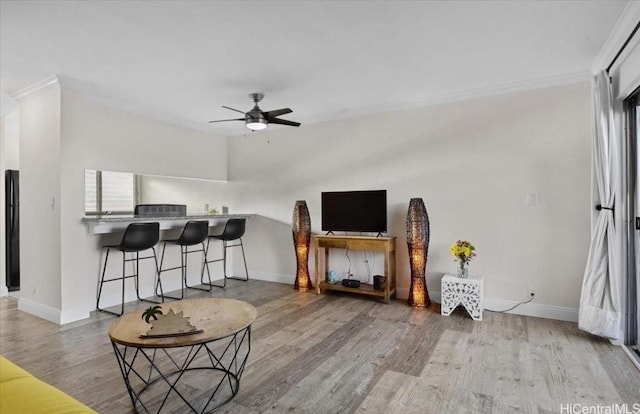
(463, 251)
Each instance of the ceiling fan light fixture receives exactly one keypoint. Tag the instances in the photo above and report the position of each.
(256, 124)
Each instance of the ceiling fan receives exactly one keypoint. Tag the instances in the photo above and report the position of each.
(257, 119)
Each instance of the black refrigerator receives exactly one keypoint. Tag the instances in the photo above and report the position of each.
(12, 228)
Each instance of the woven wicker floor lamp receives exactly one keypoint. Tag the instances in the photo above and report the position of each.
(301, 229)
(418, 246)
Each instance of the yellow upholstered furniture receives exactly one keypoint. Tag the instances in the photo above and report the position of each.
(21, 392)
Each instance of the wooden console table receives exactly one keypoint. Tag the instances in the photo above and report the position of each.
(386, 245)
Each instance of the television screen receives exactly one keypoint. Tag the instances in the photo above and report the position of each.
(361, 211)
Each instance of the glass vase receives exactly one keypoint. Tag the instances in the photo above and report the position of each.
(463, 269)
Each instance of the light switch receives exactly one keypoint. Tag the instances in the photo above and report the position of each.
(532, 199)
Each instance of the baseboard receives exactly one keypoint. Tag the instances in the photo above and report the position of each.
(537, 310)
(41, 311)
(4, 291)
(270, 277)
(529, 309)
(68, 316)
(403, 293)
(51, 314)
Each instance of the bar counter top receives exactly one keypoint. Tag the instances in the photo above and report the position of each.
(118, 222)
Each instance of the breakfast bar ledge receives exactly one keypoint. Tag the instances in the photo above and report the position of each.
(113, 223)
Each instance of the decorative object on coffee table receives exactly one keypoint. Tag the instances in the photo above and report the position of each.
(418, 247)
(171, 324)
(463, 251)
(152, 312)
(301, 229)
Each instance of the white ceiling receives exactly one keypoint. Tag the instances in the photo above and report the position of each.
(182, 60)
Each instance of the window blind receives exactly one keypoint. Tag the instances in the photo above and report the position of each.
(90, 191)
(109, 192)
(117, 191)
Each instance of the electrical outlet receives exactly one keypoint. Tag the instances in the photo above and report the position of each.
(531, 290)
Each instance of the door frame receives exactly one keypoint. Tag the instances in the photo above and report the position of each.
(632, 310)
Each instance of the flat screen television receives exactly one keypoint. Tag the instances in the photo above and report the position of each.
(357, 211)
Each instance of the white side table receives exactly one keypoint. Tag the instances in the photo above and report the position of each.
(468, 292)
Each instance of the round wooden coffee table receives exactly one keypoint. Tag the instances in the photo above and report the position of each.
(194, 373)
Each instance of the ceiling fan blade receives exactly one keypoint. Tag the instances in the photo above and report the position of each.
(237, 110)
(277, 112)
(225, 120)
(283, 122)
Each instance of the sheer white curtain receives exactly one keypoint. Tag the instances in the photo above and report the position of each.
(601, 301)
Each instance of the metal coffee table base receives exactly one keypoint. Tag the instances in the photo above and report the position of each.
(195, 379)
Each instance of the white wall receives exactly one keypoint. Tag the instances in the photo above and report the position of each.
(62, 134)
(11, 133)
(97, 137)
(472, 162)
(3, 271)
(9, 160)
(192, 192)
(40, 244)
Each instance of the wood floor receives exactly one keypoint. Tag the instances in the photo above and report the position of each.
(344, 354)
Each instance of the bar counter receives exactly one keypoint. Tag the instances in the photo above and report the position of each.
(114, 223)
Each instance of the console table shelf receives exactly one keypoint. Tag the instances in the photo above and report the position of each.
(386, 245)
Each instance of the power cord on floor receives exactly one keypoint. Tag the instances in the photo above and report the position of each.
(367, 267)
(514, 306)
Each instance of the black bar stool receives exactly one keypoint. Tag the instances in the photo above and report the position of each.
(195, 232)
(233, 231)
(137, 237)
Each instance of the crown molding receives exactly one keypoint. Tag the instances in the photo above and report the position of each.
(505, 88)
(621, 30)
(36, 89)
(434, 99)
(87, 90)
(463, 95)
(7, 105)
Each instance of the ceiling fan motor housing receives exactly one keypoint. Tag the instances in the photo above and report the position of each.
(256, 97)
(255, 114)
